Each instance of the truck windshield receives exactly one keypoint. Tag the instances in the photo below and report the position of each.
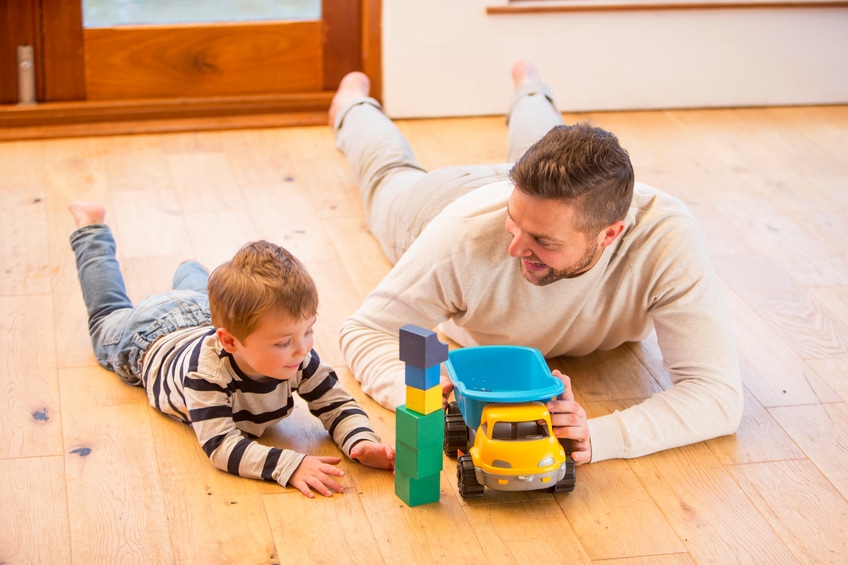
(516, 431)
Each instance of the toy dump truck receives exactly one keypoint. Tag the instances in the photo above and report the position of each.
(499, 426)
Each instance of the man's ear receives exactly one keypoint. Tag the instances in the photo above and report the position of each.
(610, 233)
(228, 341)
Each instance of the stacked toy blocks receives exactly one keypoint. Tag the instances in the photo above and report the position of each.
(420, 423)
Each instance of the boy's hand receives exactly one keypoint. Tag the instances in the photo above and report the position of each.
(317, 473)
(377, 455)
(569, 422)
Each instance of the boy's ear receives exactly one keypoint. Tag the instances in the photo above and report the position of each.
(228, 342)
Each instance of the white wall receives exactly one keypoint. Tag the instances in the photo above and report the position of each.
(448, 58)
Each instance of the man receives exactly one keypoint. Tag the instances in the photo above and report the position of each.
(562, 251)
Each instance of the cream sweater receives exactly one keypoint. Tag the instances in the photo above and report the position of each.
(458, 276)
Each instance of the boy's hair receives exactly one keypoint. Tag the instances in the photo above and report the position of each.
(580, 165)
(261, 278)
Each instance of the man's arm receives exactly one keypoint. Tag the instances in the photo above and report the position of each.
(699, 352)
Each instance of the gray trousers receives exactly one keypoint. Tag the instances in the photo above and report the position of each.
(400, 197)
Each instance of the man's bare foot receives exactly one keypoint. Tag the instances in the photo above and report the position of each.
(524, 72)
(87, 213)
(352, 86)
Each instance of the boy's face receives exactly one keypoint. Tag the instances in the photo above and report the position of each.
(275, 349)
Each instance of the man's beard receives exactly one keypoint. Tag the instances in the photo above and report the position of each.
(553, 275)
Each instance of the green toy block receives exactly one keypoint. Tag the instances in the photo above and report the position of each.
(417, 430)
(418, 463)
(417, 491)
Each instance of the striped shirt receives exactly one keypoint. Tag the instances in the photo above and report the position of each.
(189, 376)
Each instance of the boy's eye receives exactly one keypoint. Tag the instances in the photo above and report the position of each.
(284, 344)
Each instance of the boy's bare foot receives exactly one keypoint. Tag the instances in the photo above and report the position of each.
(524, 72)
(352, 86)
(87, 213)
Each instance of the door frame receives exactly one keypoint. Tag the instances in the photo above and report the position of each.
(54, 29)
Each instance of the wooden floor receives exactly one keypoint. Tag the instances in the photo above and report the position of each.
(89, 473)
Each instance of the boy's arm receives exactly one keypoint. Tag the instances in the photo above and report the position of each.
(340, 414)
(210, 412)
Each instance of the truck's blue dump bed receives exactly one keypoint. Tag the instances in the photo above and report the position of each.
(499, 373)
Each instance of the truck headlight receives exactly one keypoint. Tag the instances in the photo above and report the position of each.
(501, 464)
(546, 461)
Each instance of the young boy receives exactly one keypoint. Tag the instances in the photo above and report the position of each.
(225, 361)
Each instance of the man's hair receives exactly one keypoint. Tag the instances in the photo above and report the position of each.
(262, 278)
(583, 166)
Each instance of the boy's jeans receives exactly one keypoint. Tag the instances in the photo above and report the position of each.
(121, 333)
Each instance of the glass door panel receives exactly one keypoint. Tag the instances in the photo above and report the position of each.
(112, 13)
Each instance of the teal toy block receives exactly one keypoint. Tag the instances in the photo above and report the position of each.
(418, 463)
(415, 492)
(417, 377)
(420, 347)
(419, 430)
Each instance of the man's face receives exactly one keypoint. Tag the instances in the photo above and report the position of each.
(545, 241)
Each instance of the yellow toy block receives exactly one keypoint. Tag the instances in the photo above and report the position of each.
(424, 401)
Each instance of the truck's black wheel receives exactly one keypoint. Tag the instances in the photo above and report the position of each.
(466, 479)
(569, 481)
(456, 433)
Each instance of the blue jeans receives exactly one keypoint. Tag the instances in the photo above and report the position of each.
(121, 333)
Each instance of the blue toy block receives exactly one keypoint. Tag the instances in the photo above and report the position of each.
(420, 347)
(417, 377)
(418, 463)
(417, 491)
(416, 429)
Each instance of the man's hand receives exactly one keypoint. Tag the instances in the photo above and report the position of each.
(569, 422)
(317, 472)
(447, 389)
(371, 454)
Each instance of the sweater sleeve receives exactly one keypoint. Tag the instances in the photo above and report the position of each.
(228, 448)
(698, 347)
(424, 289)
(341, 415)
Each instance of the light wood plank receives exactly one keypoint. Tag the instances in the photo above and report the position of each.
(34, 518)
(770, 369)
(601, 511)
(522, 531)
(821, 431)
(284, 213)
(321, 530)
(801, 506)
(805, 325)
(203, 182)
(202, 503)
(710, 514)
(834, 373)
(115, 497)
(148, 223)
(24, 248)
(607, 375)
(356, 246)
(758, 439)
(30, 415)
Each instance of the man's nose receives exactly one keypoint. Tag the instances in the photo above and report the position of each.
(517, 247)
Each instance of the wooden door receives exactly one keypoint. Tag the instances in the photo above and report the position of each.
(140, 73)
